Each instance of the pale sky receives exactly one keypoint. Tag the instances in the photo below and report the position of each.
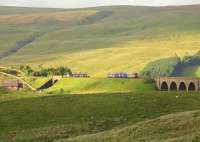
(92, 3)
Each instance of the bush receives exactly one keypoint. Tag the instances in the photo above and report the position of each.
(44, 72)
(27, 70)
(148, 80)
(62, 90)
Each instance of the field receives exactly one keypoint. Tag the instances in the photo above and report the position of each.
(33, 117)
(178, 127)
(98, 40)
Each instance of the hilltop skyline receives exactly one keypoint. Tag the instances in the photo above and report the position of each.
(83, 3)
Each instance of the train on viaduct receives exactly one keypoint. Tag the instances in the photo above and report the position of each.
(178, 83)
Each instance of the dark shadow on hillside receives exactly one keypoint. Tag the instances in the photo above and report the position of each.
(96, 18)
(20, 44)
(48, 84)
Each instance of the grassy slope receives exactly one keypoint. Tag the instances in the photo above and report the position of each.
(36, 82)
(191, 71)
(101, 85)
(6, 96)
(43, 119)
(178, 127)
(117, 39)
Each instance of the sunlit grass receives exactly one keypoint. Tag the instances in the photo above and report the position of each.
(100, 85)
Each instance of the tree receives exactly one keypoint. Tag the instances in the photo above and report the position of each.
(62, 71)
(68, 71)
(28, 70)
(51, 72)
(44, 72)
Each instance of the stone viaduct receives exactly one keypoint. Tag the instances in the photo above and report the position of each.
(178, 83)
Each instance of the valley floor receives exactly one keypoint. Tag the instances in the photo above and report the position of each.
(124, 117)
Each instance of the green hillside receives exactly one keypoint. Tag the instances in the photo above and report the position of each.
(100, 85)
(191, 71)
(38, 117)
(178, 127)
(98, 40)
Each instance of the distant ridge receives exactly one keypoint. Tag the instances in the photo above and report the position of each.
(99, 40)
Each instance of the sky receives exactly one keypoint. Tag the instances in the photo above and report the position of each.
(92, 3)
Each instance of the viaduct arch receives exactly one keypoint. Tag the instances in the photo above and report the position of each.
(178, 83)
